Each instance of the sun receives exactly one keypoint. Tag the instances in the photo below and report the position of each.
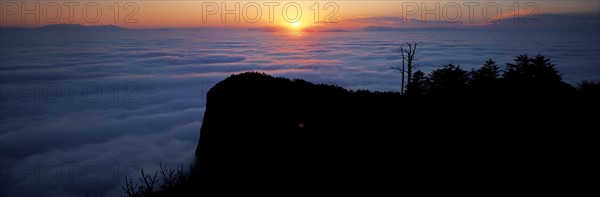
(297, 26)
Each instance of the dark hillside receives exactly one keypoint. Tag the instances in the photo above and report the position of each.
(267, 135)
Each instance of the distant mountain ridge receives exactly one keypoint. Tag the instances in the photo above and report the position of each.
(68, 27)
(381, 28)
(384, 28)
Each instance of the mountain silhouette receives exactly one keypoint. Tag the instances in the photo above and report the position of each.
(67, 27)
(381, 28)
(269, 135)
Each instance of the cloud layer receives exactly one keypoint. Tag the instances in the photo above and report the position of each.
(80, 111)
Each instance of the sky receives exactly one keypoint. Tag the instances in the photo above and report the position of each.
(280, 14)
(80, 110)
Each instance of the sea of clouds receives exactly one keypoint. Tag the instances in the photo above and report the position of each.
(81, 110)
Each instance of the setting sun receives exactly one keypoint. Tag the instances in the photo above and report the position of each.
(296, 24)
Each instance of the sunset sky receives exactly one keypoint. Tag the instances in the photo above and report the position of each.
(338, 14)
(82, 108)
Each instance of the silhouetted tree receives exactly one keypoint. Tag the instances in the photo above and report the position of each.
(516, 71)
(410, 57)
(546, 70)
(401, 69)
(527, 69)
(449, 80)
(488, 72)
(485, 79)
(175, 182)
(418, 87)
(533, 76)
(589, 89)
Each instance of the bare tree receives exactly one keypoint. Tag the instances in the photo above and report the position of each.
(171, 178)
(401, 69)
(410, 56)
(408, 59)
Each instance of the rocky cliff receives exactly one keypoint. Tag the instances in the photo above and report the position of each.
(267, 135)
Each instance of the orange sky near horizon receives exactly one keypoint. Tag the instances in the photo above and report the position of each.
(314, 14)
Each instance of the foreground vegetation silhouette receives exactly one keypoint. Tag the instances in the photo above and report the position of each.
(493, 129)
(527, 76)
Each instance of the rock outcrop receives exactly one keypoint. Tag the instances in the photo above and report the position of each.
(265, 135)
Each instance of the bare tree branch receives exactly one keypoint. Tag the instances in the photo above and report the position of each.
(401, 69)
